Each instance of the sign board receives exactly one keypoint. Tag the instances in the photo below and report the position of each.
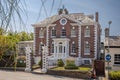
(108, 57)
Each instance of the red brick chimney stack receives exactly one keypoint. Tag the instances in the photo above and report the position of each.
(97, 17)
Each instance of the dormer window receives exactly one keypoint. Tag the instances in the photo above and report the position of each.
(87, 31)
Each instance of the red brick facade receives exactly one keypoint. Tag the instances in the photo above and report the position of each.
(79, 39)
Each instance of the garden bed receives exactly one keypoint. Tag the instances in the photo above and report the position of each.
(83, 73)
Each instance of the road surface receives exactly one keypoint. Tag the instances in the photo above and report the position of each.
(11, 75)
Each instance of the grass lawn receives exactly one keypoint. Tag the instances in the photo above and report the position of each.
(35, 66)
(80, 68)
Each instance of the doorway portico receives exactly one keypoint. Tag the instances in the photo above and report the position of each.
(61, 48)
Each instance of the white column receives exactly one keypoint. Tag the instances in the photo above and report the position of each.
(28, 59)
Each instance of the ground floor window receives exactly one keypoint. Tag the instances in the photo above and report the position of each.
(86, 62)
(117, 59)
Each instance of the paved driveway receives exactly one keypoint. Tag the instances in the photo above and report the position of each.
(10, 75)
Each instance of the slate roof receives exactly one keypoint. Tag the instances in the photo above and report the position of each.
(113, 41)
(78, 17)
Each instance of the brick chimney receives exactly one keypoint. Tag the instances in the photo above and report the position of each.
(63, 11)
(106, 32)
(97, 17)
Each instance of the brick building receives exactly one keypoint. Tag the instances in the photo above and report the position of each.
(112, 47)
(69, 35)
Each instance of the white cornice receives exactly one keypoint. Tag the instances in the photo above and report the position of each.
(74, 24)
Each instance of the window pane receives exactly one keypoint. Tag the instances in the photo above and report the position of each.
(73, 48)
(117, 59)
(52, 50)
(41, 33)
(63, 32)
(73, 33)
(60, 47)
(87, 61)
(87, 48)
(53, 32)
(87, 32)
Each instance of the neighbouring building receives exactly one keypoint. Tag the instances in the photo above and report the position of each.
(21, 47)
(69, 35)
(112, 47)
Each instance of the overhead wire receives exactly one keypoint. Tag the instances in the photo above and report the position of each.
(52, 7)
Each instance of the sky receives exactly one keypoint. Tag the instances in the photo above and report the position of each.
(109, 10)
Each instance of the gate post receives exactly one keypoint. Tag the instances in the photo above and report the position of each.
(45, 59)
(28, 59)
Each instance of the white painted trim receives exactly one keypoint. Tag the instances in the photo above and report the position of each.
(79, 42)
(47, 36)
(74, 24)
(63, 23)
(95, 46)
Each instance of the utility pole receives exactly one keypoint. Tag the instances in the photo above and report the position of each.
(109, 49)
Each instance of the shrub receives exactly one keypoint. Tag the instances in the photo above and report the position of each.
(70, 64)
(114, 75)
(60, 63)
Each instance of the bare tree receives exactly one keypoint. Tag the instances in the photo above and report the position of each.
(10, 12)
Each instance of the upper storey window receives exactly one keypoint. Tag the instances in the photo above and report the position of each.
(73, 32)
(41, 33)
(53, 32)
(87, 31)
(63, 34)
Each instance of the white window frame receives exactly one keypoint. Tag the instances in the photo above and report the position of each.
(87, 31)
(41, 33)
(86, 46)
(116, 60)
(53, 34)
(73, 48)
(52, 48)
(73, 32)
(63, 33)
(60, 47)
(86, 60)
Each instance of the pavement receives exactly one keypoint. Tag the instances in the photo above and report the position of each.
(104, 78)
(19, 75)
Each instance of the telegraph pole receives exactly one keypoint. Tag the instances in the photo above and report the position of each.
(108, 56)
